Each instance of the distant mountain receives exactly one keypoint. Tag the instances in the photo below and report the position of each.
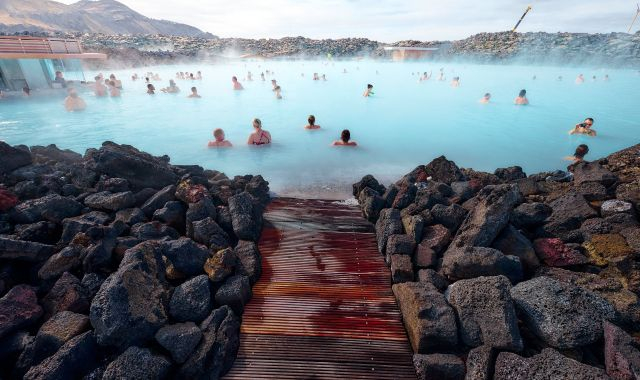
(86, 16)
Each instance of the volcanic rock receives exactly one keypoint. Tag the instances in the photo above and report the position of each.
(179, 339)
(18, 308)
(471, 262)
(563, 315)
(429, 320)
(138, 363)
(550, 364)
(438, 366)
(485, 312)
(129, 308)
(191, 301)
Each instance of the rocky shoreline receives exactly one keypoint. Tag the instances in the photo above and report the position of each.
(597, 50)
(117, 264)
(508, 276)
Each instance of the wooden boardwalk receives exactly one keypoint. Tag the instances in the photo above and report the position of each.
(323, 307)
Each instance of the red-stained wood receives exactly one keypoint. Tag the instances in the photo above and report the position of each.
(323, 307)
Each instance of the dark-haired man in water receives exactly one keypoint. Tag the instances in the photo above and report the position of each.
(584, 128)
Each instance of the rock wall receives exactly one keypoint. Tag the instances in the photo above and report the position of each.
(512, 275)
(117, 264)
(597, 50)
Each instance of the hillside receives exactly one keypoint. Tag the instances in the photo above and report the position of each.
(85, 16)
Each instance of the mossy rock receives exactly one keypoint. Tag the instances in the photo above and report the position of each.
(603, 247)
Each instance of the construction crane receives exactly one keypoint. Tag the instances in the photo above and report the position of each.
(521, 18)
(634, 18)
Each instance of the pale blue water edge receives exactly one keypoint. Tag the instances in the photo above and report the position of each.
(405, 124)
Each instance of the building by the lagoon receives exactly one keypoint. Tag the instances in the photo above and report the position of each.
(33, 61)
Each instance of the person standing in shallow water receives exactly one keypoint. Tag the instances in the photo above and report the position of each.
(369, 91)
(151, 90)
(259, 136)
(236, 85)
(345, 139)
(312, 123)
(521, 99)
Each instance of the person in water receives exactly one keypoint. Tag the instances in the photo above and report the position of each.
(345, 139)
(118, 83)
(99, 88)
(274, 84)
(425, 76)
(199, 75)
(150, 89)
(114, 91)
(219, 141)
(172, 89)
(521, 99)
(236, 85)
(315, 76)
(60, 79)
(26, 91)
(455, 82)
(580, 79)
(486, 98)
(606, 78)
(324, 77)
(584, 128)
(262, 78)
(369, 91)
(577, 157)
(259, 136)
(560, 78)
(73, 102)
(194, 93)
(278, 92)
(312, 123)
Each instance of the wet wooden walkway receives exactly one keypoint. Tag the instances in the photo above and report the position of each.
(323, 308)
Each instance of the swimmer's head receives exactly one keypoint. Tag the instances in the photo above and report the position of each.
(369, 86)
(150, 87)
(26, 90)
(257, 123)
(523, 93)
(112, 77)
(311, 120)
(487, 96)
(72, 93)
(581, 151)
(234, 79)
(194, 90)
(218, 133)
(58, 74)
(588, 121)
(172, 82)
(345, 136)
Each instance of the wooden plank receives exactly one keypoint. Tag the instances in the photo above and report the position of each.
(323, 307)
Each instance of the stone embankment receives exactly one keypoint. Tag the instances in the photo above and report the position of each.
(599, 50)
(117, 264)
(508, 276)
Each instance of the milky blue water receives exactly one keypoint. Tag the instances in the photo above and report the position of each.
(404, 124)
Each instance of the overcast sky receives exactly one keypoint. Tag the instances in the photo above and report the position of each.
(387, 20)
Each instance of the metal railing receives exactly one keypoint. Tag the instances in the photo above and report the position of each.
(38, 45)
